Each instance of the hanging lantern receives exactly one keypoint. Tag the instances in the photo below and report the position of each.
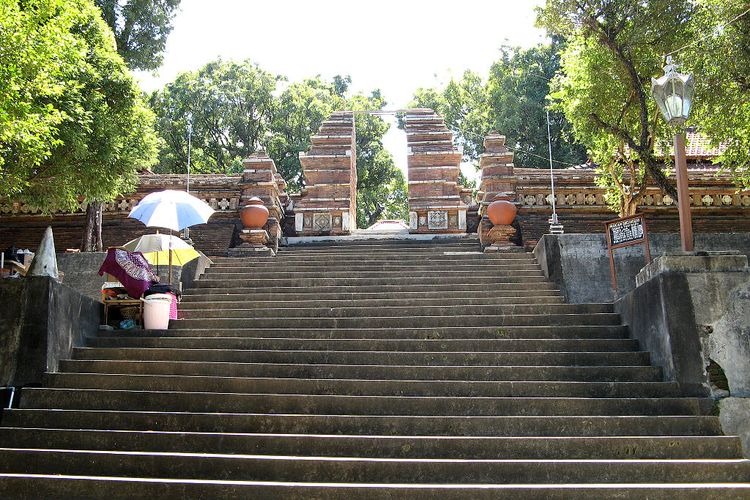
(674, 94)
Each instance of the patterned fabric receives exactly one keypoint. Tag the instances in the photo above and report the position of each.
(134, 264)
(130, 269)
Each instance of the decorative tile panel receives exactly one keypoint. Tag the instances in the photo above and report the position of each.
(437, 219)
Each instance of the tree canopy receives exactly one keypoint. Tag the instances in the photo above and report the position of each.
(141, 28)
(511, 100)
(604, 89)
(238, 108)
(719, 58)
(72, 122)
(613, 50)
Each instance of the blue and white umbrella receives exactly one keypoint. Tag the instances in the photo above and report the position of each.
(171, 209)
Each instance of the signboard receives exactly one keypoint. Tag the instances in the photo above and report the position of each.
(626, 232)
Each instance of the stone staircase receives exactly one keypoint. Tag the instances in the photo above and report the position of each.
(369, 370)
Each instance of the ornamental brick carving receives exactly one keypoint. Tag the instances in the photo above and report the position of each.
(496, 164)
(497, 182)
(329, 200)
(260, 179)
(435, 197)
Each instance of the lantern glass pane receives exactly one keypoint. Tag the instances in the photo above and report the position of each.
(674, 107)
(686, 104)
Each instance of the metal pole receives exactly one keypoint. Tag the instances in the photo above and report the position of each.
(187, 182)
(190, 138)
(551, 174)
(683, 193)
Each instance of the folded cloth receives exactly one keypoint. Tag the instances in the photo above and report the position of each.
(130, 268)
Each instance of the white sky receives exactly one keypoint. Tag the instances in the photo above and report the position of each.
(394, 45)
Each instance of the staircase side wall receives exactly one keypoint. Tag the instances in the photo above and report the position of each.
(42, 320)
(579, 263)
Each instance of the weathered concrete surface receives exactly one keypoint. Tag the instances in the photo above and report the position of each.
(734, 414)
(45, 263)
(722, 311)
(690, 310)
(579, 263)
(80, 272)
(41, 320)
(661, 317)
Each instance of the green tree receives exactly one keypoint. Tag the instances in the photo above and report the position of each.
(517, 88)
(298, 113)
(231, 106)
(613, 50)
(719, 58)
(73, 123)
(238, 108)
(463, 106)
(141, 28)
(381, 187)
(513, 101)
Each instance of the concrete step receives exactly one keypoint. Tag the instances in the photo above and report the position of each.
(466, 241)
(380, 249)
(405, 358)
(360, 387)
(403, 322)
(412, 273)
(353, 293)
(206, 288)
(394, 254)
(441, 345)
(349, 469)
(446, 256)
(200, 302)
(324, 281)
(298, 311)
(380, 265)
(174, 401)
(449, 332)
(66, 486)
(369, 372)
(392, 425)
(432, 447)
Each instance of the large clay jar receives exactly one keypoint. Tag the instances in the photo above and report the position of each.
(501, 212)
(254, 215)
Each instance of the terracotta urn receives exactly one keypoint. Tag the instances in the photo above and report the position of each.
(501, 211)
(254, 215)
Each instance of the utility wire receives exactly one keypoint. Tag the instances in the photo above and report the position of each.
(517, 150)
(466, 133)
(718, 29)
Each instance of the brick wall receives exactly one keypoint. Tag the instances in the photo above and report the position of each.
(23, 226)
(717, 205)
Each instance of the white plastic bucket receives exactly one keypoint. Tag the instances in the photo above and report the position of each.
(156, 311)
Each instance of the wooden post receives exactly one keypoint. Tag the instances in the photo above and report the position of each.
(683, 193)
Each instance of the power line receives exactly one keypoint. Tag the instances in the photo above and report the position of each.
(718, 29)
(516, 150)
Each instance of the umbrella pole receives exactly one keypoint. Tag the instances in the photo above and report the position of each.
(170, 256)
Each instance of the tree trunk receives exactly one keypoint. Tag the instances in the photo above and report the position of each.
(373, 217)
(92, 232)
(629, 204)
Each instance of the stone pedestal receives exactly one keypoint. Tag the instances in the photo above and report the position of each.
(501, 238)
(693, 262)
(253, 243)
(260, 179)
(497, 182)
(436, 200)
